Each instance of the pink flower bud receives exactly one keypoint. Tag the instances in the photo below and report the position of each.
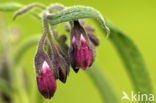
(46, 81)
(83, 55)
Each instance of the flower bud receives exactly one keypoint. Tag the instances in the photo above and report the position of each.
(46, 81)
(89, 29)
(82, 22)
(61, 64)
(67, 27)
(60, 58)
(44, 70)
(82, 50)
(62, 44)
(90, 32)
(93, 39)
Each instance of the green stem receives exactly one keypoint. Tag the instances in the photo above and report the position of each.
(103, 86)
(28, 8)
(47, 31)
(55, 7)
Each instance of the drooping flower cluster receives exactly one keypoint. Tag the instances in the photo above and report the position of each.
(54, 62)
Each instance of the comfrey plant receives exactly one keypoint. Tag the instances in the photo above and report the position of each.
(54, 63)
(54, 57)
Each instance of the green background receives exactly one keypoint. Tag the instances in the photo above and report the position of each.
(135, 17)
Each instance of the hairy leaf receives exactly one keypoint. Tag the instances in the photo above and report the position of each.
(132, 60)
(77, 12)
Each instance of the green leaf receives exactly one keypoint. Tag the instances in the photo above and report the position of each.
(132, 60)
(9, 7)
(103, 86)
(77, 12)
